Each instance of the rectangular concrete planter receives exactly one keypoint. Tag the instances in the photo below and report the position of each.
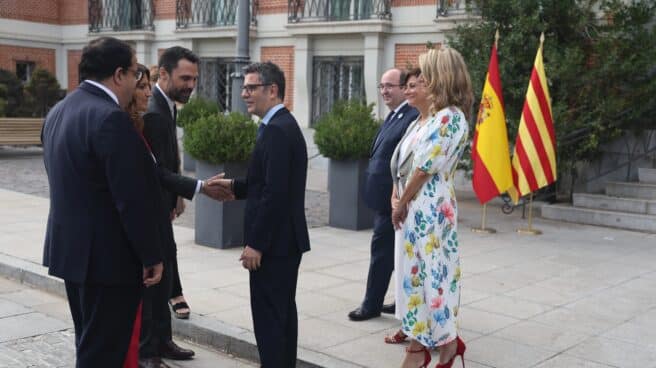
(217, 224)
(347, 209)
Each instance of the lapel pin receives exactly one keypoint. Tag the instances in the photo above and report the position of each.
(400, 116)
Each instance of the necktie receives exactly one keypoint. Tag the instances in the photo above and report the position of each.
(260, 129)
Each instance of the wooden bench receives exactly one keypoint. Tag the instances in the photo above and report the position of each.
(20, 131)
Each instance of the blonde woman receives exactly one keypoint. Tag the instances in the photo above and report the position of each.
(428, 297)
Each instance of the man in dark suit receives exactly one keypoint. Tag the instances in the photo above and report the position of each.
(276, 232)
(101, 237)
(178, 75)
(377, 192)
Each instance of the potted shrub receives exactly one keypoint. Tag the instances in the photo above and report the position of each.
(220, 143)
(193, 110)
(344, 135)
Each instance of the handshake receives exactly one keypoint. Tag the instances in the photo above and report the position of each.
(218, 188)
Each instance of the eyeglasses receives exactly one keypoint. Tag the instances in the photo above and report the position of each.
(389, 86)
(249, 88)
(137, 74)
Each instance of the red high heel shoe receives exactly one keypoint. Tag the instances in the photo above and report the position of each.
(397, 338)
(427, 356)
(460, 350)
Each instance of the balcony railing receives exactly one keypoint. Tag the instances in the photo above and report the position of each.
(338, 10)
(209, 13)
(454, 7)
(120, 15)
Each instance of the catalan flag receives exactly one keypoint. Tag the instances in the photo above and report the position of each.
(534, 157)
(490, 153)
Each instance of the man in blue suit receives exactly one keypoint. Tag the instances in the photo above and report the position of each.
(101, 236)
(275, 231)
(377, 192)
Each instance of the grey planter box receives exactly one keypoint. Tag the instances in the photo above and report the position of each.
(218, 224)
(188, 162)
(347, 209)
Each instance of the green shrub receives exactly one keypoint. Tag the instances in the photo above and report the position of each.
(219, 138)
(3, 100)
(11, 92)
(196, 108)
(41, 93)
(346, 132)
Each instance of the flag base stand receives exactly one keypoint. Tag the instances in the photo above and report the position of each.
(483, 229)
(480, 230)
(530, 230)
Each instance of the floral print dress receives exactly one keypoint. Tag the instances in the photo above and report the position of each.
(427, 259)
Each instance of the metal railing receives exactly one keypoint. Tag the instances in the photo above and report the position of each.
(454, 7)
(209, 13)
(120, 15)
(338, 10)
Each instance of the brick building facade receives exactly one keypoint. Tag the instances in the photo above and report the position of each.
(327, 52)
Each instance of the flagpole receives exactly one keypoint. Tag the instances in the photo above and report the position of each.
(483, 229)
(530, 230)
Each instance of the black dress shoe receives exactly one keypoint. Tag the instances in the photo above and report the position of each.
(172, 351)
(360, 315)
(154, 362)
(388, 308)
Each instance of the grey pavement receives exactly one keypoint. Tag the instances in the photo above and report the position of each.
(36, 331)
(577, 296)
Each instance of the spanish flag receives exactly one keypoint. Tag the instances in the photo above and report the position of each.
(490, 153)
(534, 157)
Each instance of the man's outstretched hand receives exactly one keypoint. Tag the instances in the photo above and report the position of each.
(218, 188)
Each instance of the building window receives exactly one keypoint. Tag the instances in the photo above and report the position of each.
(214, 81)
(24, 70)
(335, 78)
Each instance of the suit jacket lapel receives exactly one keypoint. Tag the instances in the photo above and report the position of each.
(383, 128)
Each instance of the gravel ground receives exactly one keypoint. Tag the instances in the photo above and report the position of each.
(21, 170)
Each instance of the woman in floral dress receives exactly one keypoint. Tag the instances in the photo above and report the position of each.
(428, 298)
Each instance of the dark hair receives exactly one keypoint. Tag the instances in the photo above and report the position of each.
(403, 76)
(269, 73)
(171, 56)
(102, 56)
(414, 72)
(136, 116)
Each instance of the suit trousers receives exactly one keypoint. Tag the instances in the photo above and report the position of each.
(103, 317)
(156, 317)
(273, 305)
(381, 264)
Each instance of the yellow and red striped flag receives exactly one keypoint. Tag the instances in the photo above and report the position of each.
(534, 157)
(490, 153)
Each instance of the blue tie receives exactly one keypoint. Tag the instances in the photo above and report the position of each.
(260, 129)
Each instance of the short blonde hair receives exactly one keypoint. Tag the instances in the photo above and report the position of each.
(447, 79)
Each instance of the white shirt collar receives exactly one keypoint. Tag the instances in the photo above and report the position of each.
(398, 108)
(104, 88)
(272, 111)
(168, 100)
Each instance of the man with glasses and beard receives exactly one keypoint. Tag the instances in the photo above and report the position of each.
(178, 73)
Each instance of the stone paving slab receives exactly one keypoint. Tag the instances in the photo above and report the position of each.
(576, 296)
